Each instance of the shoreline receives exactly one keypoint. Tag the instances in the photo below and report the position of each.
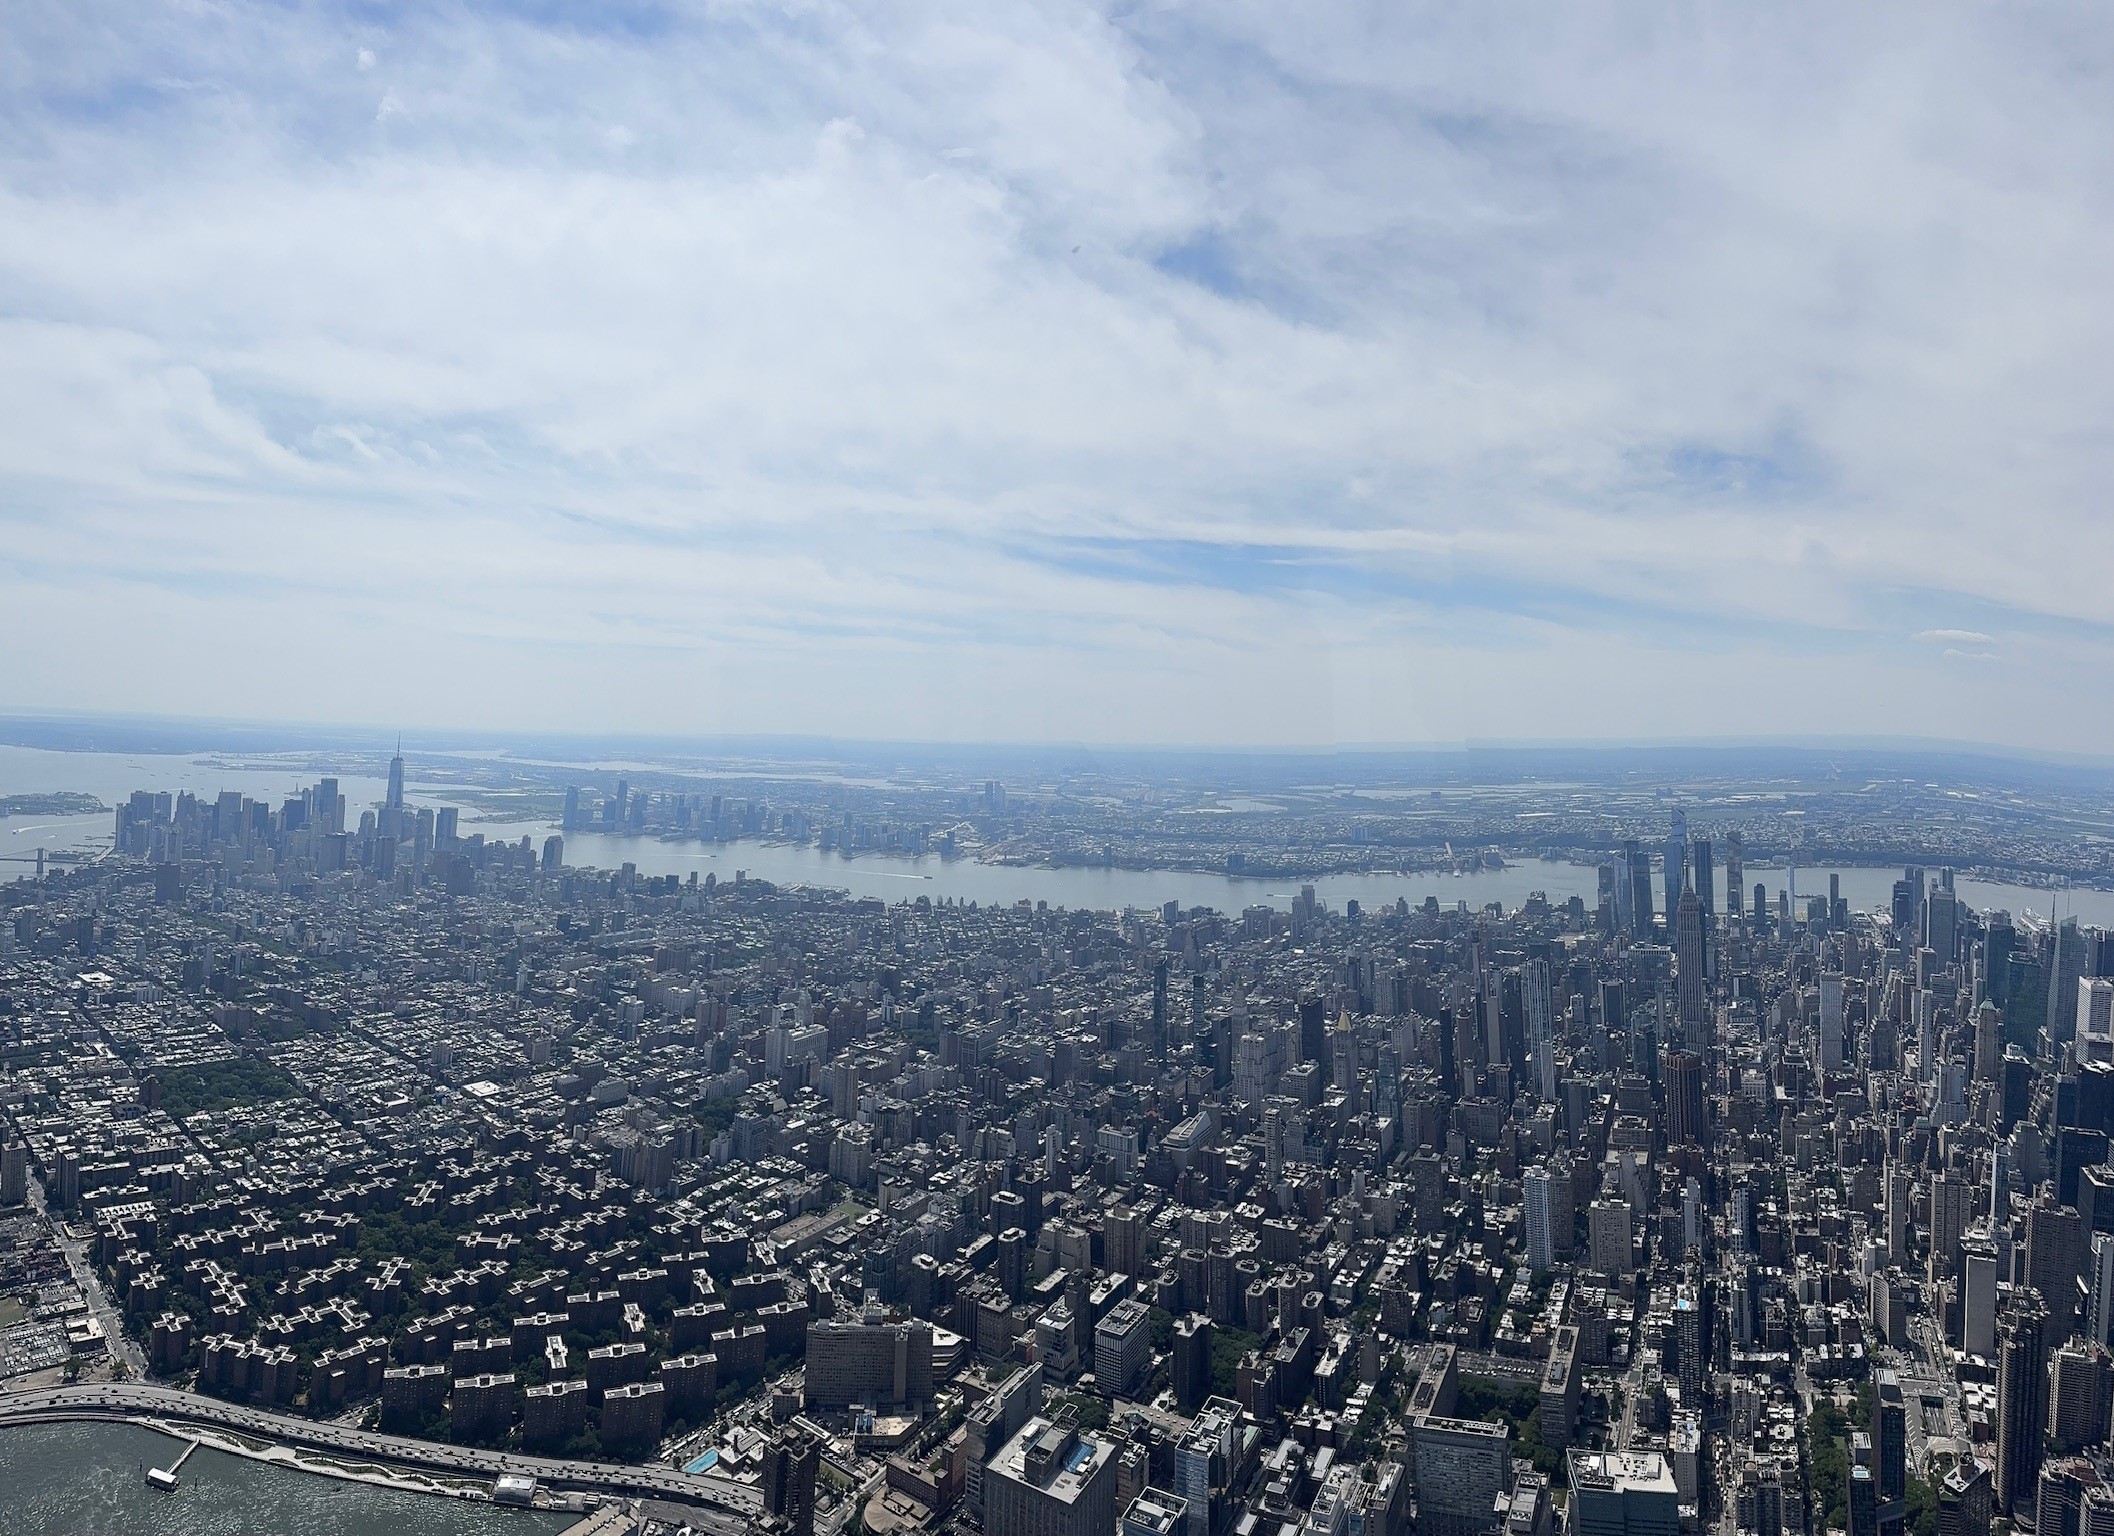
(323, 1464)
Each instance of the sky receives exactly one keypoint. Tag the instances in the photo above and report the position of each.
(1175, 373)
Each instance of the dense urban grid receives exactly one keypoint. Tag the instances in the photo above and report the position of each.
(1693, 1208)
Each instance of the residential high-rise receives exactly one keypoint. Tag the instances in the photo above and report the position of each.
(1462, 1465)
(1049, 1480)
(2080, 1385)
(1609, 1238)
(2055, 1258)
(1735, 872)
(14, 1173)
(1538, 1186)
(792, 1462)
(1122, 1346)
(2022, 1400)
(1964, 1498)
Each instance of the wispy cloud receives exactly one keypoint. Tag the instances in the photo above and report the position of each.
(1057, 369)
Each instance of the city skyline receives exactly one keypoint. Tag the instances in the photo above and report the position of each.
(1155, 377)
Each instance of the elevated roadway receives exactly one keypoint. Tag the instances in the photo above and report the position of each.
(734, 1503)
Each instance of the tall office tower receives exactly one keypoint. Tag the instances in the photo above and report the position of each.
(2064, 967)
(1640, 892)
(330, 807)
(1999, 939)
(1685, 1122)
(1313, 1030)
(1625, 885)
(1978, 1294)
(1900, 1214)
(791, 1462)
(1735, 872)
(1539, 1201)
(1538, 1005)
(1941, 925)
(1951, 1211)
(1193, 1335)
(1702, 876)
(395, 801)
(1156, 1047)
(2095, 1017)
(1989, 1042)
(1688, 960)
(1831, 1021)
(1890, 1452)
(1861, 1503)
(2022, 1400)
(570, 822)
(1676, 872)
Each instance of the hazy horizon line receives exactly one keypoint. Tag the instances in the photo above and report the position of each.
(431, 739)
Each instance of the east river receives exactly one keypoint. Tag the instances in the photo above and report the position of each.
(89, 1480)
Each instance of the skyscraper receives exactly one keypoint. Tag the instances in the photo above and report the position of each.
(396, 779)
(1890, 1452)
(791, 1463)
(1735, 872)
(1539, 1199)
(2022, 1400)
(2099, 1320)
(1640, 875)
(1688, 959)
(1702, 877)
(1676, 873)
(1685, 1123)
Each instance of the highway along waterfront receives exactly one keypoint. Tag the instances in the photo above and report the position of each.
(77, 1479)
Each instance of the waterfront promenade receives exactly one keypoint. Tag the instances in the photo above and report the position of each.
(728, 1506)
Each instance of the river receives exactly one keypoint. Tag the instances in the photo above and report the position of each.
(113, 775)
(88, 1480)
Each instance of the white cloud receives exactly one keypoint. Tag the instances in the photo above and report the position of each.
(844, 367)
